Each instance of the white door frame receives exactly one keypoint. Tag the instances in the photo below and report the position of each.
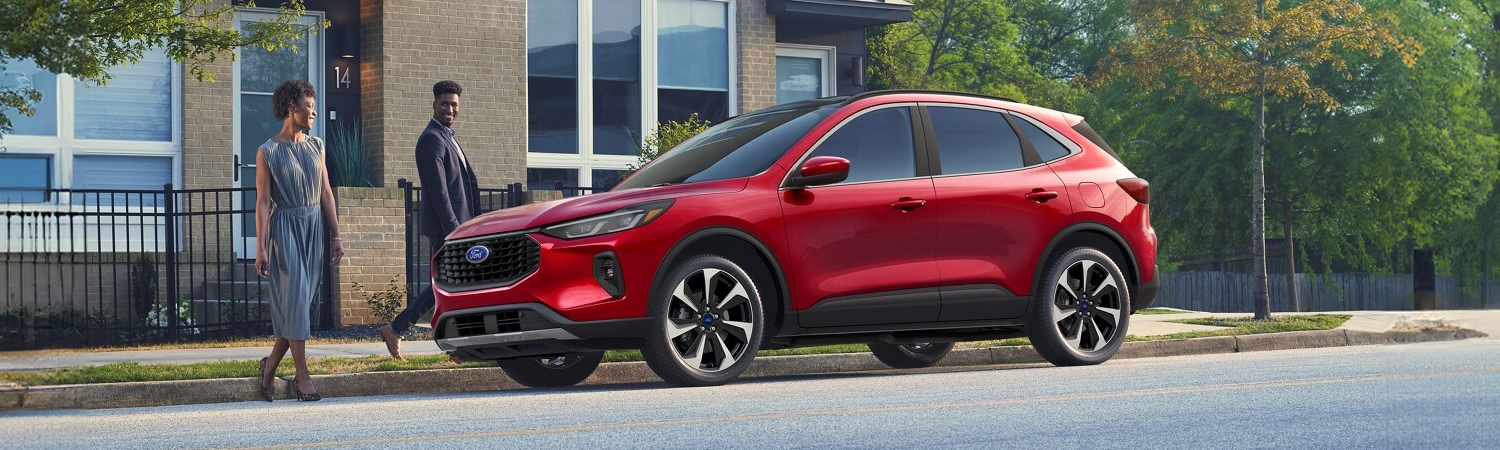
(244, 243)
(828, 56)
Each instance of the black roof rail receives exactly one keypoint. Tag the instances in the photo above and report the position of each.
(869, 94)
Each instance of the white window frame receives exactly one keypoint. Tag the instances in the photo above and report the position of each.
(586, 161)
(827, 54)
(65, 146)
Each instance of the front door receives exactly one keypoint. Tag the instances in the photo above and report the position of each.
(861, 251)
(257, 72)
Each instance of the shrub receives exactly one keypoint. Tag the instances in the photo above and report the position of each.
(665, 137)
(384, 304)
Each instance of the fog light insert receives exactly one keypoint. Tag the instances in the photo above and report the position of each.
(607, 273)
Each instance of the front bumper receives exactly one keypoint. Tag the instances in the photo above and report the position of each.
(530, 329)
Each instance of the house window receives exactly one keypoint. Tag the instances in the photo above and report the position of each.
(128, 129)
(27, 180)
(631, 80)
(803, 72)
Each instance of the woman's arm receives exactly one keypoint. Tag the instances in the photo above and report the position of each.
(331, 218)
(262, 213)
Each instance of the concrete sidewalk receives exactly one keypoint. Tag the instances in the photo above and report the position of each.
(1487, 321)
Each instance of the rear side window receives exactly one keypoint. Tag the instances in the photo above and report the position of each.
(973, 141)
(1046, 147)
(877, 144)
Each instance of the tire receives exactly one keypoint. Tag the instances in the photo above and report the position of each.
(553, 371)
(910, 356)
(706, 323)
(1081, 310)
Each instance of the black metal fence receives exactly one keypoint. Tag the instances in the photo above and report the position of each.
(417, 248)
(104, 267)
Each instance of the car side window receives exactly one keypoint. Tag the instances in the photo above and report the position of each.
(974, 140)
(877, 144)
(1046, 147)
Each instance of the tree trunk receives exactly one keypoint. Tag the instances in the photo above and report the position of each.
(1291, 256)
(1259, 291)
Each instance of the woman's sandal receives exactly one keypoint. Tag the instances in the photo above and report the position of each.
(266, 392)
(305, 397)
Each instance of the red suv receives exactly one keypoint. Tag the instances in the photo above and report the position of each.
(907, 220)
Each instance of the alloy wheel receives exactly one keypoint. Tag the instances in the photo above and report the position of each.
(709, 320)
(1086, 307)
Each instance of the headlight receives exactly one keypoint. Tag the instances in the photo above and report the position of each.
(624, 219)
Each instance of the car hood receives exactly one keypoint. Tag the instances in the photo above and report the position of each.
(537, 215)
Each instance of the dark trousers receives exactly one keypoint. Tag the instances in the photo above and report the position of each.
(424, 300)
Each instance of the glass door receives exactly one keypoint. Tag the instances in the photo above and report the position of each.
(256, 75)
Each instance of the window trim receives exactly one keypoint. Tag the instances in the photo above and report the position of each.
(586, 161)
(827, 54)
(65, 145)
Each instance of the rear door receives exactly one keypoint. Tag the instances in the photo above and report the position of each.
(862, 250)
(997, 205)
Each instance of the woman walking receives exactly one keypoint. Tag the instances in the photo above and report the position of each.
(294, 218)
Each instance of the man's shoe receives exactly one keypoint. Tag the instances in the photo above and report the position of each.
(392, 341)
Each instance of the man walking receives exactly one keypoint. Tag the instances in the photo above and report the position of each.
(450, 196)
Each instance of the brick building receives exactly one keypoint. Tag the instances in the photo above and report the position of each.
(532, 71)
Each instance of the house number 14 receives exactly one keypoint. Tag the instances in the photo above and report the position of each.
(340, 78)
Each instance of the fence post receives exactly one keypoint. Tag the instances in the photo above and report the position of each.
(169, 219)
(411, 283)
(517, 197)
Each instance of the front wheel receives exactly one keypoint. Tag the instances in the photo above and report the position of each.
(910, 356)
(553, 371)
(1080, 312)
(706, 323)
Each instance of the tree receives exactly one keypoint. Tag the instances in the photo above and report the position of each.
(1252, 49)
(959, 45)
(86, 38)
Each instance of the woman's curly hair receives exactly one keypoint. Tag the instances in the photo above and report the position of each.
(287, 95)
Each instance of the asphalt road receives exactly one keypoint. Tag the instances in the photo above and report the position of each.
(1434, 395)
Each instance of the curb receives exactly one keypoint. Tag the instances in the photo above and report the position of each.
(485, 379)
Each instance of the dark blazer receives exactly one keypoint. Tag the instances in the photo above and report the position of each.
(450, 191)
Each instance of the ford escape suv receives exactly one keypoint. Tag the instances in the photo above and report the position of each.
(908, 220)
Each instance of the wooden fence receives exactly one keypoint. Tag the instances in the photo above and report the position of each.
(1230, 292)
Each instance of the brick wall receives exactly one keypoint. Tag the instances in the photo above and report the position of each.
(410, 45)
(374, 231)
(757, 53)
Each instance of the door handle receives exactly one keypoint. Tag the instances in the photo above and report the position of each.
(1040, 196)
(907, 204)
(238, 166)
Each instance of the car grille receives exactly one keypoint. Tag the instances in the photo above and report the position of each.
(510, 258)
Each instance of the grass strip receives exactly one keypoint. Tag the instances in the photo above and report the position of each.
(126, 372)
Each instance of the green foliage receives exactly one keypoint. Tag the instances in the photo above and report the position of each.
(86, 38)
(348, 155)
(957, 45)
(385, 304)
(665, 137)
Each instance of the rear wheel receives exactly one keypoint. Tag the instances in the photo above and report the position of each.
(910, 356)
(552, 371)
(706, 323)
(1079, 315)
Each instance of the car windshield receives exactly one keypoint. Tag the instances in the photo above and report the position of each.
(739, 147)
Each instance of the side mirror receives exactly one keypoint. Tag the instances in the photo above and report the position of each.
(821, 170)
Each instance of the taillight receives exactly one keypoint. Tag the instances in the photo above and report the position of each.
(1138, 189)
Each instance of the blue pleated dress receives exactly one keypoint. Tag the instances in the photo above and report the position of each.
(296, 240)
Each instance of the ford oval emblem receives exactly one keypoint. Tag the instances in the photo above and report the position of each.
(477, 254)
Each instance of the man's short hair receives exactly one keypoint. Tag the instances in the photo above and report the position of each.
(447, 87)
(287, 95)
